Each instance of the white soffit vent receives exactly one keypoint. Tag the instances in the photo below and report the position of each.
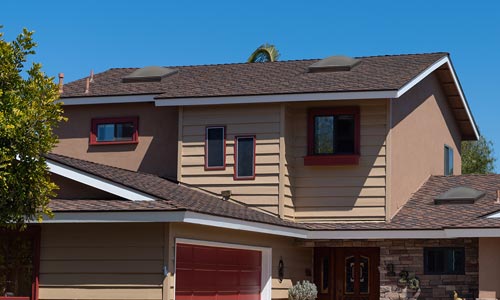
(459, 195)
(149, 74)
(334, 64)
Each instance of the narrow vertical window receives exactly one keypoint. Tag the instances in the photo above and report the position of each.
(215, 148)
(448, 160)
(244, 161)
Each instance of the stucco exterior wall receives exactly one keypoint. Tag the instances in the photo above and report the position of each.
(155, 153)
(489, 268)
(422, 123)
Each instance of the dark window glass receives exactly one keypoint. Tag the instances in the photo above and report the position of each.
(245, 157)
(325, 274)
(114, 132)
(444, 261)
(448, 160)
(16, 265)
(364, 276)
(350, 264)
(215, 147)
(334, 134)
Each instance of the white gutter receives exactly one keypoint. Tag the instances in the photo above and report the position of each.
(98, 182)
(106, 100)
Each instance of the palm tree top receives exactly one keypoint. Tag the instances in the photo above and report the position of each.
(265, 53)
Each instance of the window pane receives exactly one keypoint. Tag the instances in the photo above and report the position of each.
(344, 134)
(215, 147)
(323, 134)
(448, 160)
(442, 261)
(16, 266)
(124, 131)
(245, 157)
(105, 132)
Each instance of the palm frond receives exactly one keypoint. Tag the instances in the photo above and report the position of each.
(265, 53)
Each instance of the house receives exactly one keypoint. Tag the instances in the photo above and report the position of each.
(235, 181)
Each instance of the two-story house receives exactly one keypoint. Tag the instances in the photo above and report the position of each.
(235, 181)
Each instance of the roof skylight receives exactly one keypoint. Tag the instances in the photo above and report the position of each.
(334, 63)
(148, 74)
(459, 195)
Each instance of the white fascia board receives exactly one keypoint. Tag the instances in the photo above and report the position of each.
(115, 217)
(237, 224)
(276, 98)
(495, 215)
(472, 232)
(97, 182)
(375, 234)
(106, 100)
(427, 72)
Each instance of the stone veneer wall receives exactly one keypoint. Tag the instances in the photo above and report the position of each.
(409, 255)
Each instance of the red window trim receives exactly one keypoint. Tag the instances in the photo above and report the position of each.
(223, 167)
(97, 121)
(235, 174)
(335, 159)
(34, 232)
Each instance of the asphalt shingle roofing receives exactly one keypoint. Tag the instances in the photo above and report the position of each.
(419, 213)
(374, 73)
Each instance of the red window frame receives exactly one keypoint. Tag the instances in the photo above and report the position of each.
(97, 121)
(34, 233)
(235, 174)
(223, 167)
(335, 159)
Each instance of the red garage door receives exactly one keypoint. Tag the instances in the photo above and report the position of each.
(214, 273)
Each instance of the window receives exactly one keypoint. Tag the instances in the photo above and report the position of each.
(215, 148)
(333, 136)
(244, 160)
(19, 262)
(114, 131)
(448, 160)
(444, 261)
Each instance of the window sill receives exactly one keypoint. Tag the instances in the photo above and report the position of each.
(331, 160)
(114, 143)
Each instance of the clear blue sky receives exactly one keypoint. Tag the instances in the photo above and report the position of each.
(76, 36)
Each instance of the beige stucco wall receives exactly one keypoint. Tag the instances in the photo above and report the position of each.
(489, 267)
(125, 261)
(422, 123)
(340, 193)
(155, 153)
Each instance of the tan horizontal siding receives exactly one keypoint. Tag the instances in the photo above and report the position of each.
(341, 193)
(261, 120)
(101, 261)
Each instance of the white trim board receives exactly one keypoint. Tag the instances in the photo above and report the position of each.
(106, 99)
(266, 262)
(97, 182)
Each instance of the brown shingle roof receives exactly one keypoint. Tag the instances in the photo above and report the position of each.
(171, 196)
(374, 73)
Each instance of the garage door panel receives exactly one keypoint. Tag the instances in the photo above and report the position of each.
(217, 273)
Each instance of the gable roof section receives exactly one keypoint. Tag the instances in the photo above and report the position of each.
(170, 196)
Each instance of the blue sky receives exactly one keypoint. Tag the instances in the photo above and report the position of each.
(76, 36)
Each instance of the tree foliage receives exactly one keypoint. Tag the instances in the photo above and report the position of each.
(28, 114)
(478, 157)
(265, 53)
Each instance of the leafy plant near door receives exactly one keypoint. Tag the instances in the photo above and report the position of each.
(410, 282)
(304, 290)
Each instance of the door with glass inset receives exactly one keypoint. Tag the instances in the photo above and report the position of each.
(356, 274)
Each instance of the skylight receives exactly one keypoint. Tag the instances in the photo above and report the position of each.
(148, 74)
(459, 195)
(334, 63)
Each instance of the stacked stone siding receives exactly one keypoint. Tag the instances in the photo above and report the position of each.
(408, 255)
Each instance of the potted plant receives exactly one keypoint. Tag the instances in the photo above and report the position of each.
(410, 283)
(304, 290)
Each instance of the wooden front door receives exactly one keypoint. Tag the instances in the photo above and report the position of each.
(347, 273)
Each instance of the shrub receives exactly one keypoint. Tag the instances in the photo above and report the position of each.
(304, 290)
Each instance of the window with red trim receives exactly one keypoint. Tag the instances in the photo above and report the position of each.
(106, 131)
(244, 157)
(333, 136)
(215, 148)
(19, 264)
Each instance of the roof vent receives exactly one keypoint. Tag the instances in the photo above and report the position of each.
(334, 64)
(148, 74)
(459, 195)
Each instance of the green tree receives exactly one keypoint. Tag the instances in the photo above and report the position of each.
(28, 114)
(265, 53)
(478, 157)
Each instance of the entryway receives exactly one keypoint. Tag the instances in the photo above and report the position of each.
(347, 273)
